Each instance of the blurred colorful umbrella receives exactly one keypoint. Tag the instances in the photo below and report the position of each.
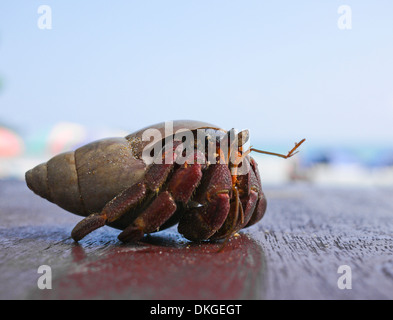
(11, 145)
(65, 137)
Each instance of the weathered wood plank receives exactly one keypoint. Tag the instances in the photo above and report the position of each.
(294, 253)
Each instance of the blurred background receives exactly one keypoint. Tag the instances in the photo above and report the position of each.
(72, 72)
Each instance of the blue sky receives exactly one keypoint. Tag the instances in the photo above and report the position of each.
(283, 69)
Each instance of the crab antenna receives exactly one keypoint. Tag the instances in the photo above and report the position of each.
(290, 153)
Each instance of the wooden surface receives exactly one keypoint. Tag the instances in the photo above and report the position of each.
(293, 253)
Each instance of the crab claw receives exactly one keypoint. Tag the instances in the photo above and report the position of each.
(213, 197)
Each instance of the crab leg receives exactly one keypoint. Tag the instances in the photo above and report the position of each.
(230, 224)
(246, 194)
(159, 211)
(114, 209)
(213, 195)
(260, 208)
(126, 200)
(180, 188)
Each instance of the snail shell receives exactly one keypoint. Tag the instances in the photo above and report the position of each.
(84, 180)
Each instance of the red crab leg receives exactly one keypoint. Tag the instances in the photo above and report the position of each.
(201, 222)
(185, 179)
(180, 188)
(159, 211)
(230, 223)
(250, 201)
(112, 211)
(261, 205)
(126, 200)
(247, 185)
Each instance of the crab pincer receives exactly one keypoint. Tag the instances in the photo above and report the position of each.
(212, 205)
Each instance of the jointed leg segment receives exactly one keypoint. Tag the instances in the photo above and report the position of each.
(180, 187)
(114, 209)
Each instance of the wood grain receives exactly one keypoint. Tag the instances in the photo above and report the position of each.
(293, 253)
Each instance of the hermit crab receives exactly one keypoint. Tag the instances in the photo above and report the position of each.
(187, 172)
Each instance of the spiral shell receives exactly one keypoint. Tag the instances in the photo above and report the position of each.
(84, 180)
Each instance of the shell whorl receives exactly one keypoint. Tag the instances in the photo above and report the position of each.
(83, 181)
(57, 181)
